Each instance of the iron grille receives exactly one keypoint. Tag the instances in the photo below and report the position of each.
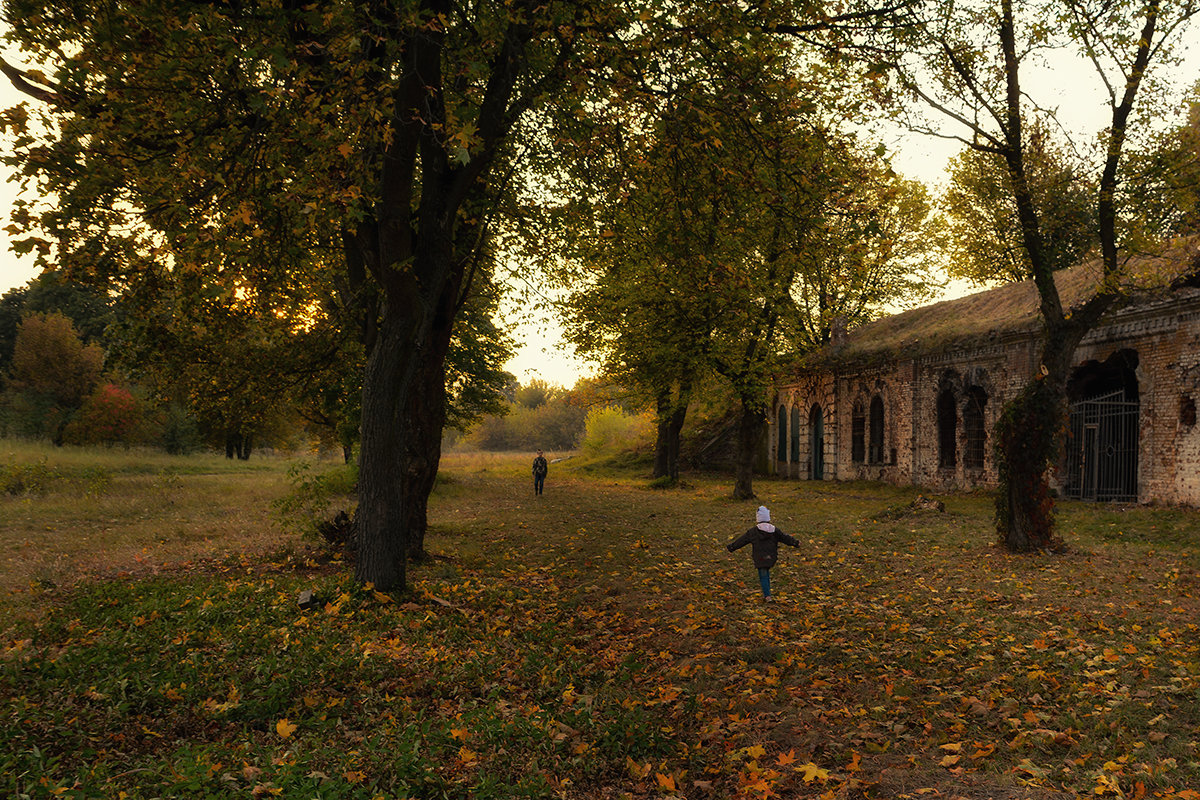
(1102, 449)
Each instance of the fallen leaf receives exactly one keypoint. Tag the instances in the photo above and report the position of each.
(812, 772)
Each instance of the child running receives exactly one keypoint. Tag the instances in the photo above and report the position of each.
(764, 538)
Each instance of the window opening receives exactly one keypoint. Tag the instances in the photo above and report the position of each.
(858, 434)
(876, 451)
(974, 429)
(947, 421)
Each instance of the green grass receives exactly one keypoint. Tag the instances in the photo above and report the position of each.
(71, 512)
(599, 641)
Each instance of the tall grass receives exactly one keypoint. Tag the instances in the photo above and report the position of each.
(68, 512)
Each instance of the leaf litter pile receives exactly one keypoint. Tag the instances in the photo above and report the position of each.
(599, 642)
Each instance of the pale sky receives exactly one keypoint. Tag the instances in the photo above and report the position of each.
(541, 355)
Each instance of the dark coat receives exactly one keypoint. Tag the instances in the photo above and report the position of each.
(765, 545)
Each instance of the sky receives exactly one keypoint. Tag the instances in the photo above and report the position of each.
(541, 353)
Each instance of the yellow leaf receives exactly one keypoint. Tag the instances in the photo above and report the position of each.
(459, 733)
(982, 750)
(285, 728)
(787, 758)
(665, 781)
(950, 761)
(953, 747)
(467, 756)
(756, 751)
(813, 772)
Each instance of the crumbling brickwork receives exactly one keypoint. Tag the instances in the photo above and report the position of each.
(1132, 435)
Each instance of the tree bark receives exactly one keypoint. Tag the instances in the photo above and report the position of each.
(671, 412)
(1030, 435)
(381, 486)
(662, 442)
(674, 433)
(749, 430)
(426, 414)
(237, 446)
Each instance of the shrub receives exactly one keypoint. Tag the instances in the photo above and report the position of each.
(179, 434)
(18, 479)
(554, 425)
(109, 415)
(609, 429)
(317, 498)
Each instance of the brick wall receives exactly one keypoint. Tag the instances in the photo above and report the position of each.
(1164, 336)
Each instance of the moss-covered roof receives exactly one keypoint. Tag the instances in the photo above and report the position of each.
(1008, 309)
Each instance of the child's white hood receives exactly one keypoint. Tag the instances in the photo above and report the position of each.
(766, 527)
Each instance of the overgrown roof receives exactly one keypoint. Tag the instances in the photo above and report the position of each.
(1009, 309)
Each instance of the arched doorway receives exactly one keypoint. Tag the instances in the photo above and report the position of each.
(1102, 449)
(816, 427)
(795, 456)
(782, 432)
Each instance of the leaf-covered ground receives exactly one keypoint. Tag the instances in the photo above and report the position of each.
(599, 642)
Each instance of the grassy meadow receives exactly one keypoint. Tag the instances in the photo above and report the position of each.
(595, 642)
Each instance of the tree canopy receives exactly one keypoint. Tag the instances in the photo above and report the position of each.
(715, 238)
(270, 152)
(974, 68)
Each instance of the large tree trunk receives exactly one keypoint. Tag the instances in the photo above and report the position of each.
(674, 432)
(749, 430)
(671, 415)
(663, 432)
(237, 445)
(1029, 437)
(404, 397)
(426, 414)
(381, 486)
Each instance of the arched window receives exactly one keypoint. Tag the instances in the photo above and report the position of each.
(974, 429)
(816, 426)
(875, 452)
(781, 434)
(795, 434)
(947, 423)
(858, 434)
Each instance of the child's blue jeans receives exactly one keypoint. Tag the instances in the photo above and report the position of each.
(764, 580)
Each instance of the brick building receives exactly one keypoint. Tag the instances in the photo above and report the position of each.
(912, 398)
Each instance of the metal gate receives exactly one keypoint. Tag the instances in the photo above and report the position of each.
(1102, 451)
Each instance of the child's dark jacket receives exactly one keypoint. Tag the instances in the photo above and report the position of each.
(764, 543)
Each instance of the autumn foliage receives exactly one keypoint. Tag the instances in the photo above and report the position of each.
(109, 415)
(599, 642)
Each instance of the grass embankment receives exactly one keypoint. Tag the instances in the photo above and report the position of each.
(599, 642)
